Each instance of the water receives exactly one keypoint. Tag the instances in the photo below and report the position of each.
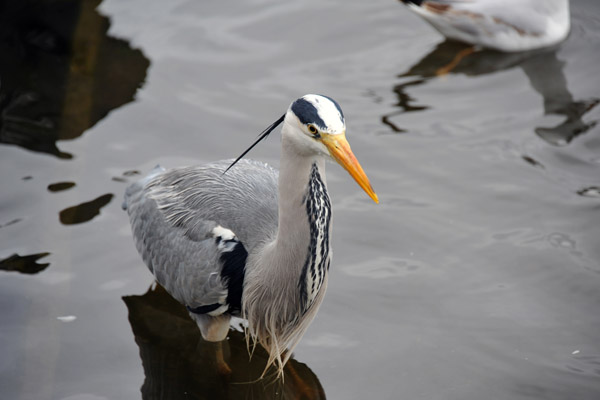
(476, 277)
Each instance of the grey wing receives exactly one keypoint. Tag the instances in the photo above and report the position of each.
(193, 227)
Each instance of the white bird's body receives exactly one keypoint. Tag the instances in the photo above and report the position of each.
(504, 25)
(248, 241)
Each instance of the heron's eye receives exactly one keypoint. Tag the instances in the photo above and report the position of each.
(314, 131)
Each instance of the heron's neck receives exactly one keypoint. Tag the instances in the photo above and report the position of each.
(299, 254)
(286, 278)
(299, 178)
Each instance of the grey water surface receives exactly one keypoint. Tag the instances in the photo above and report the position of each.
(476, 277)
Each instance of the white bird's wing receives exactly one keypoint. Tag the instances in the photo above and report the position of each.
(508, 25)
(191, 226)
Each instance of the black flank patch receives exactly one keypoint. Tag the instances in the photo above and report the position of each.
(233, 272)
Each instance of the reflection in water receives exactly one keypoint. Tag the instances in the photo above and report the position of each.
(592, 191)
(533, 161)
(85, 211)
(24, 264)
(60, 186)
(126, 174)
(405, 104)
(179, 364)
(543, 69)
(59, 71)
(12, 222)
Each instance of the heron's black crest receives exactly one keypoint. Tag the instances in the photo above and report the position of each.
(262, 135)
(307, 113)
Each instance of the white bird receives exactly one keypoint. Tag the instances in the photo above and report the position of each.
(505, 25)
(245, 240)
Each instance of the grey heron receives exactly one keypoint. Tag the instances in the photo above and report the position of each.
(505, 25)
(240, 239)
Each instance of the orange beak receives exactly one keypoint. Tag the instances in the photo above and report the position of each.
(339, 148)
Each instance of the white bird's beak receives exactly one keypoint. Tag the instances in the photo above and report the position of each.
(339, 148)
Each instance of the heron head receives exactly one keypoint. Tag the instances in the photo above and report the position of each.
(316, 125)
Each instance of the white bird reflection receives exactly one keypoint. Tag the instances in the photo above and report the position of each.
(543, 69)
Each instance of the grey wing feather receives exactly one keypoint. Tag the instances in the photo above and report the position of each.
(173, 214)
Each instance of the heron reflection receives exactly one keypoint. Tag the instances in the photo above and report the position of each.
(179, 364)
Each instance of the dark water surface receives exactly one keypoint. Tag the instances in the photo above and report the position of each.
(477, 277)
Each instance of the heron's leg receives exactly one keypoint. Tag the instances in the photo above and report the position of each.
(214, 353)
(303, 389)
(222, 367)
(455, 61)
